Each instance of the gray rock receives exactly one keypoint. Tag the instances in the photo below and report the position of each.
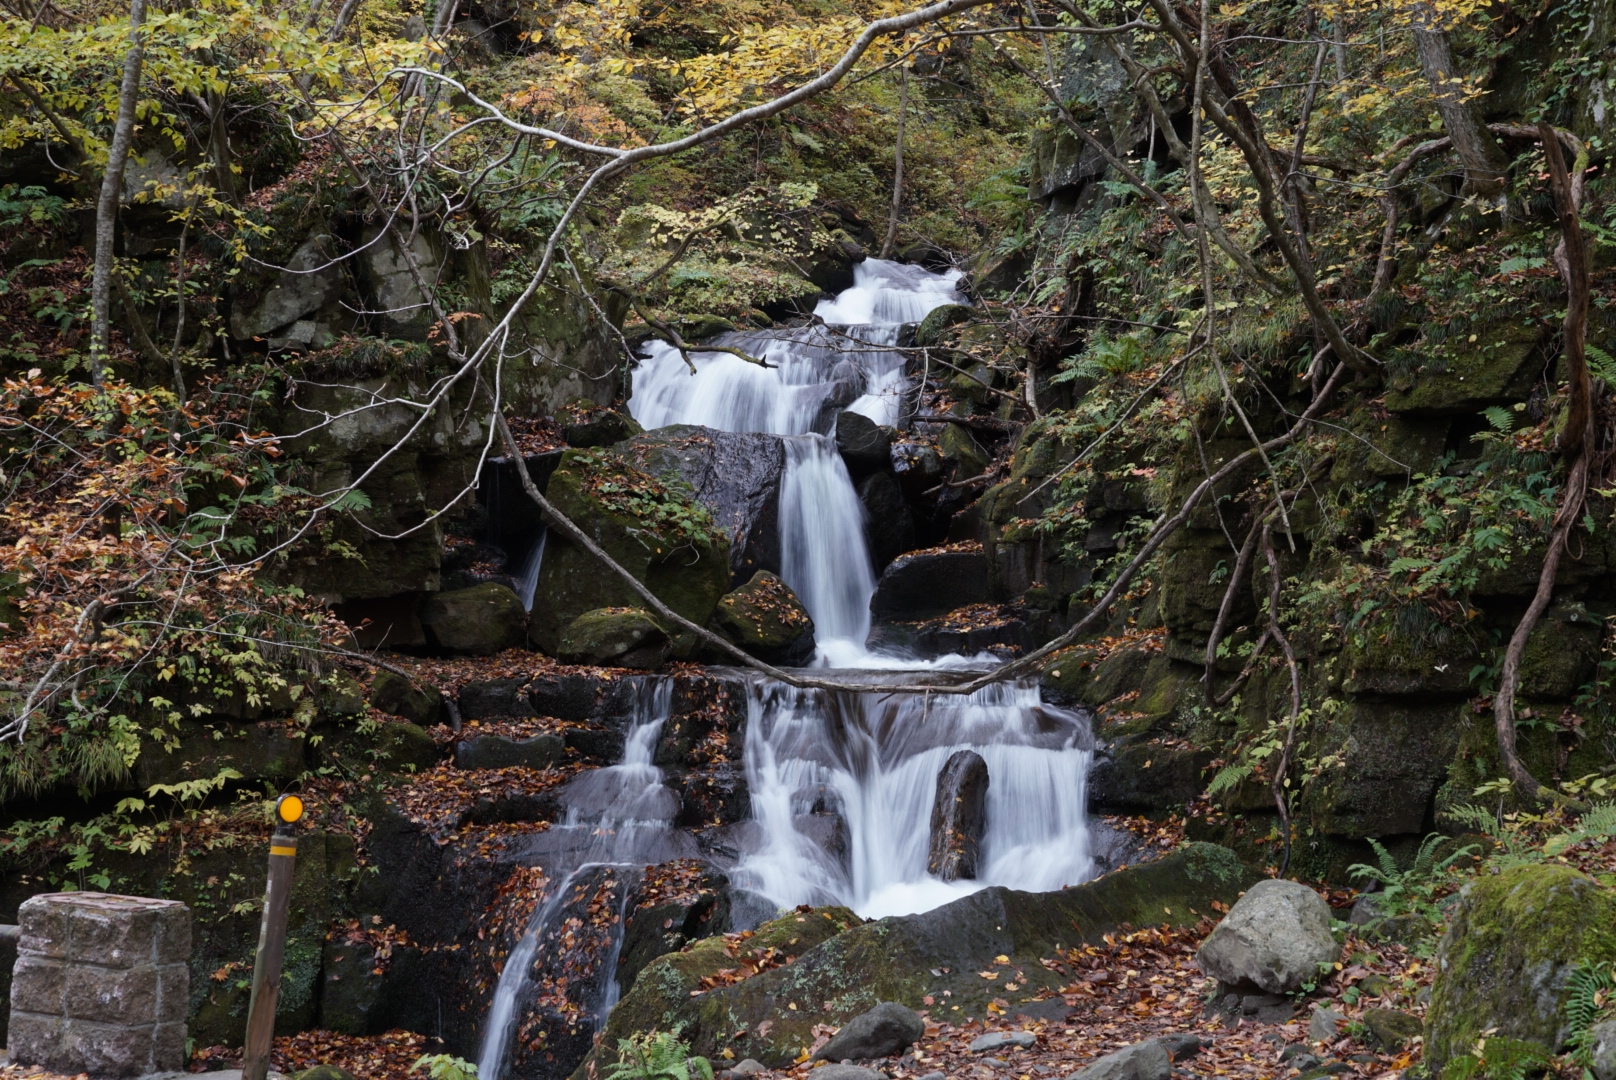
(748, 1067)
(847, 1072)
(1604, 1055)
(1141, 1061)
(393, 693)
(479, 621)
(309, 282)
(498, 752)
(1275, 937)
(1391, 1029)
(999, 1040)
(1325, 1025)
(884, 1031)
(958, 816)
(401, 307)
(736, 475)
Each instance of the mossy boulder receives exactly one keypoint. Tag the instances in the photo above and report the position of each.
(586, 424)
(765, 618)
(393, 693)
(958, 445)
(479, 621)
(771, 1016)
(272, 751)
(661, 994)
(655, 530)
(938, 320)
(1506, 961)
(1403, 658)
(1497, 368)
(622, 636)
(1387, 761)
(1561, 655)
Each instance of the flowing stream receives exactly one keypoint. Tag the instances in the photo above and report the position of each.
(841, 784)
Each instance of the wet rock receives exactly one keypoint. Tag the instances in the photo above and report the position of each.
(585, 424)
(960, 448)
(765, 618)
(1141, 1061)
(865, 446)
(1274, 938)
(1325, 1025)
(393, 693)
(927, 584)
(478, 621)
(889, 528)
(363, 993)
(1003, 1040)
(655, 532)
(1391, 1029)
(498, 752)
(931, 328)
(885, 1031)
(919, 468)
(1505, 963)
(624, 637)
(573, 697)
(958, 816)
(735, 474)
(666, 926)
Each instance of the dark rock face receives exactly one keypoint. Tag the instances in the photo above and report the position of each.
(585, 424)
(958, 816)
(498, 752)
(864, 446)
(487, 699)
(478, 621)
(926, 584)
(736, 475)
(885, 1031)
(765, 618)
(514, 520)
(658, 925)
(889, 528)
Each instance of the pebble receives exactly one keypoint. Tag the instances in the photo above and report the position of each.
(999, 1040)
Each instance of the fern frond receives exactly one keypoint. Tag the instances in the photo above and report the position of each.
(1228, 777)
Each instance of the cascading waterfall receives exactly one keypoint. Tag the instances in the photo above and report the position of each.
(871, 760)
(527, 582)
(616, 816)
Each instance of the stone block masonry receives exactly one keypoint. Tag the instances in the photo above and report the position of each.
(101, 984)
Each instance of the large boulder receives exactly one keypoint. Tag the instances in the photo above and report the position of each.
(1141, 1061)
(885, 1031)
(765, 618)
(393, 693)
(1275, 938)
(1505, 964)
(498, 752)
(311, 280)
(622, 636)
(735, 475)
(928, 584)
(894, 959)
(658, 534)
(864, 445)
(479, 621)
(958, 816)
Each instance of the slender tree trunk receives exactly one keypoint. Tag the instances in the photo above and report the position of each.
(897, 173)
(1483, 159)
(106, 211)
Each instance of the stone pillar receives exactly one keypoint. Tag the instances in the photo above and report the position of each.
(958, 817)
(101, 984)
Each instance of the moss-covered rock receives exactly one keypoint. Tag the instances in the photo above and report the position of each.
(938, 320)
(623, 636)
(479, 621)
(1423, 658)
(765, 618)
(1387, 760)
(653, 530)
(272, 751)
(1561, 655)
(770, 1017)
(1506, 961)
(585, 424)
(393, 693)
(957, 445)
(1497, 368)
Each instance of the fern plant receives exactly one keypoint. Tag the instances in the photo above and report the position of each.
(1498, 1058)
(1512, 846)
(445, 1067)
(1411, 890)
(657, 1055)
(1592, 997)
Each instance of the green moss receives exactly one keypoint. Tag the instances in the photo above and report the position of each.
(1508, 955)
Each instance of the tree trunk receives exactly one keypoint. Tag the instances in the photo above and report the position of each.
(106, 210)
(897, 173)
(1482, 157)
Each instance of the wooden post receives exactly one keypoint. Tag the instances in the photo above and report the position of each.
(266, 980)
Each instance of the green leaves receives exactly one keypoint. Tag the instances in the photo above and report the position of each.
(658, 1055)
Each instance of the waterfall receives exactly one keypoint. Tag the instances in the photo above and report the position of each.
(822, 551)
(527, 583)
(873, 761)
(620, 815)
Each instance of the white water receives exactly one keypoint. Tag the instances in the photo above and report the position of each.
(871, 760)
(616, 816)
(527, 583)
